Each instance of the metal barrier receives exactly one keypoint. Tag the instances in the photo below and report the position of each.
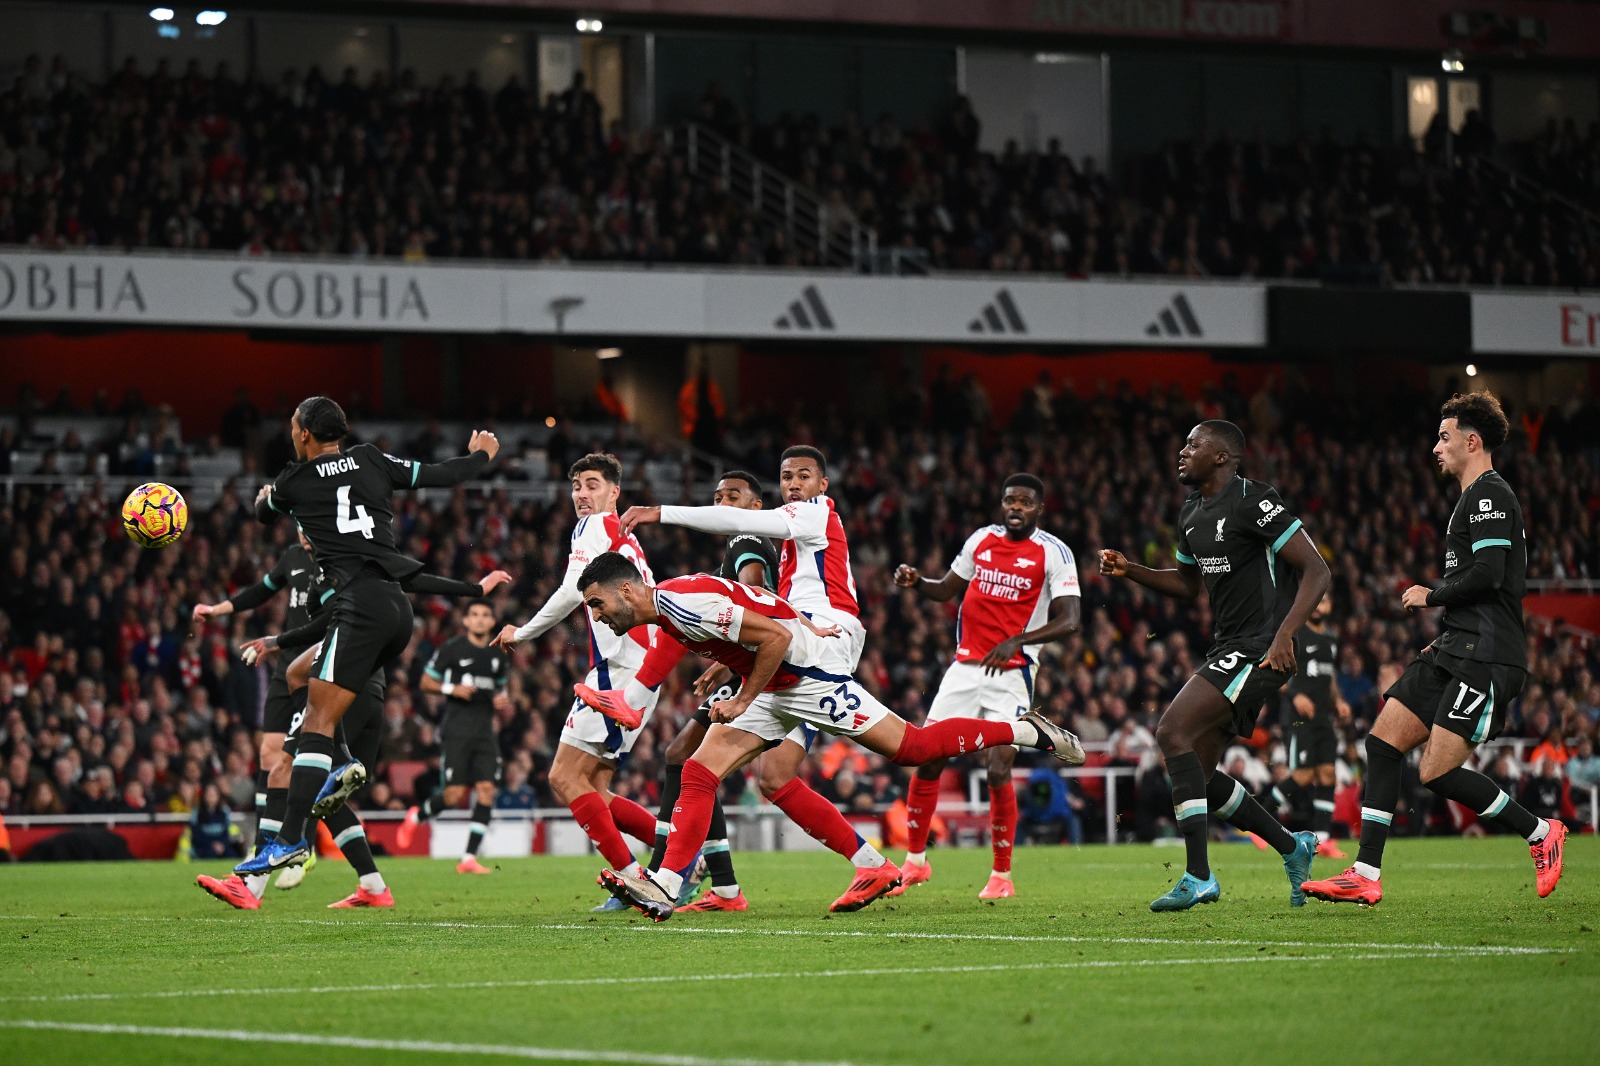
(975, 779)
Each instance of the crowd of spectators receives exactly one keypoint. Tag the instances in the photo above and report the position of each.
(115, 701)
(329, 165)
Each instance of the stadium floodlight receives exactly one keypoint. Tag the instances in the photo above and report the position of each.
(1472, 370)
(590, 25)
(211, 18)
(608, 353)
(1452, 63)
(163, 14)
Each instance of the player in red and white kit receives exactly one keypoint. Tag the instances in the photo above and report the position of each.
(814, 575)
(590, 744)
(794, 675)
(1018, 587)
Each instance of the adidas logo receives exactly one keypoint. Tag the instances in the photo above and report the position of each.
(1175, 320)
(983, 556)
(1001, 316)
(808, 312)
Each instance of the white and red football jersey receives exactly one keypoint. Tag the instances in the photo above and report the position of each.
(1010, 585)
(814, 564)
(705, 615)
(594, 536)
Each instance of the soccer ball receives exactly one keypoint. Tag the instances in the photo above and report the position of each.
(154, 515)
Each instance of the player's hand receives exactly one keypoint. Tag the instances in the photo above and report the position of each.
(501, 701)
(907, 576)
(506, 638)
(1280, 656)
(714, 677)
(493, 580)
(1001, 654)
(725, 711)
(1113, 563)
(202, 611)
(639, 516)
(263, 492)
(484, 441)
(1414, 598)
(260, 648)
(1304, 707)
(1343, 710)
(822, 631)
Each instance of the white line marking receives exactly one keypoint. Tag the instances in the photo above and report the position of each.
(804, 975)
(548, 1054)
(1009, 938)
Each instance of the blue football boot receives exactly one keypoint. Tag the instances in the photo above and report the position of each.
(1187, 892)
(342, 783)
(1297, 864)
(275, 855)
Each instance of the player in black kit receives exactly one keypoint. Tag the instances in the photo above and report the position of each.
(1454, 694)
(1263, 576)
(295, 571)
(341, 501)
(1314, 707)
(472, 676)
(753, 561)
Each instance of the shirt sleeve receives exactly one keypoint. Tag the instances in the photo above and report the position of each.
(1181, 551)
(964, 565)
(804, 523)
(589, 540)
(702, 616)
(1267, 518)
(411, 474)
(1061, 571)
(1491, 518)
(434, 669)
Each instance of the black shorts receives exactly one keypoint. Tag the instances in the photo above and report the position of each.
(468, 753)
(1312, 741)
(371, 627)
(1465, 696)
(361, 728)
(702, 714)
(280, 707)
(1243, 684)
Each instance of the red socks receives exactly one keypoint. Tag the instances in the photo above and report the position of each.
(633, 819)
(951, 737)
(921, 801)
(691, 817)
(1003, 824)
(594, 818)
(808, 810)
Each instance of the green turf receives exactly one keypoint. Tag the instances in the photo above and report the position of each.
(1063, 978)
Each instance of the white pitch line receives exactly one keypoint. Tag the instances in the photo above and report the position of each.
(1009, 938)
(514, 1051)
(802, 975)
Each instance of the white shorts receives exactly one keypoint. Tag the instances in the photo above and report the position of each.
(837, 705)
(968, 692)
(592, 732)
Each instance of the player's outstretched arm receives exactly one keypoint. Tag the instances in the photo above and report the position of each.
(1181, 584)
(724, 520)
(432, 584)
(481, 450)
(1315, 578)
(943, 590)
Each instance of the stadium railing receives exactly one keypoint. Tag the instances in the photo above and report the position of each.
(1110, 774)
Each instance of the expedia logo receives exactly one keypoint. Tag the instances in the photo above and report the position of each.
(1271, 513)
(1486, 516)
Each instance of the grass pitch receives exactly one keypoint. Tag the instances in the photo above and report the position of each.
(1462, 963)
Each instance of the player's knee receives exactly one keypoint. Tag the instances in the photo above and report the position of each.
(565, 784)
(485, 793)
(1172, 738)
(998, 776)
(679, 750)
(932, 771)
(770, 782)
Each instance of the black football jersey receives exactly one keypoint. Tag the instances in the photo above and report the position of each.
(1489, 629)
(342, 502)
(746, 548)
(297, 572)
(1234, 539)
(485, 670)
(1316, 658)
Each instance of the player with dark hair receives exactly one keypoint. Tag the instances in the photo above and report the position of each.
(1018, 586)
(794, 671)
(813, 574)
(341, 499)
(591, 744)
(749, 560)
(471, 676)
(297, 572)
(1314, 705)
(1263, 576)
(1453, 696)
